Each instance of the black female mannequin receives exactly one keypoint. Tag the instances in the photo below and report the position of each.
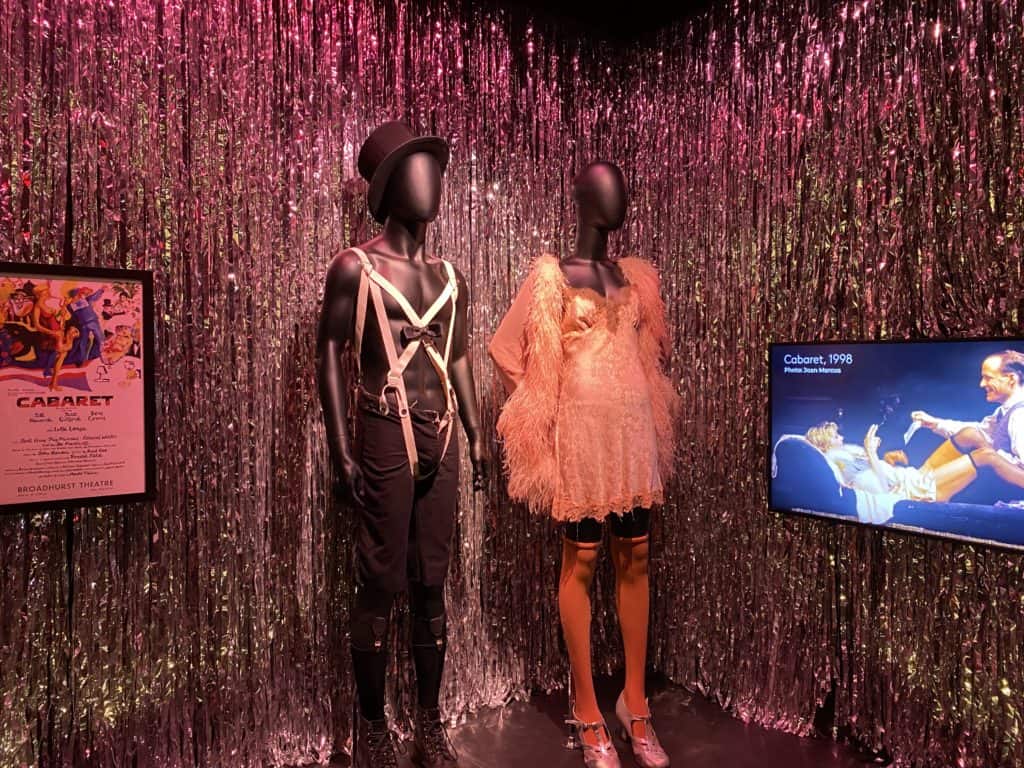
(411, 200)
(600, 197)
(588, 436)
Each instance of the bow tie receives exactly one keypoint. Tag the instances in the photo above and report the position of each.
(428, 333)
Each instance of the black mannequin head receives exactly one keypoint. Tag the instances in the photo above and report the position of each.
(414, 189)
(600, 195)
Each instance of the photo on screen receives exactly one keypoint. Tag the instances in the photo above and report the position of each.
(925, 436)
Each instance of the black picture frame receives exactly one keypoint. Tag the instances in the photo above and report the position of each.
(148, 415)
(843, 519)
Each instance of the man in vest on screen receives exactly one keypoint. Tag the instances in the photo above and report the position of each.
(997, 441)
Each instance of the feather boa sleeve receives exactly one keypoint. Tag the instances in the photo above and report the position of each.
(654, 350)
(527, 421)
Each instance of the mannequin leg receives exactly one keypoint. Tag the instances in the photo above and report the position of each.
(429, 641)
(633, 601)
(369, 627)
(381, 538)
(431, 535)
(578, 562)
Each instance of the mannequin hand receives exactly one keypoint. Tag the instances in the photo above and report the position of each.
(481, 468)
(481, 471)
(353, 483)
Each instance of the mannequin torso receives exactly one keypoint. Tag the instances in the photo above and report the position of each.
(398, 253)
(421, 280)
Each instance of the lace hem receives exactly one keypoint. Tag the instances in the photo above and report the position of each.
(565, 511)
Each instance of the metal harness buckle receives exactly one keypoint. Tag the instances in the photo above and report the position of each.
(393, 384)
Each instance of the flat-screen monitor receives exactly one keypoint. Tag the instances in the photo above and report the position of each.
(923, 436)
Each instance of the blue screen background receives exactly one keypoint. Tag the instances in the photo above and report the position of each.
(885, 383)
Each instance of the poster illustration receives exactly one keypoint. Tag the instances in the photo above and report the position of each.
(76, 388)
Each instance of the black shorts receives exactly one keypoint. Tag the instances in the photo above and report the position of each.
(405, 531)
(631, 525)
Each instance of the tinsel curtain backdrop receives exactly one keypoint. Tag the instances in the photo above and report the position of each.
(807, 170)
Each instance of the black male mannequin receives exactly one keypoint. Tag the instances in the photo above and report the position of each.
(409, 202)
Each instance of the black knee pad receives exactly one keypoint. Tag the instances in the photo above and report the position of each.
(429, 619)
(369, 633)
(430, 631)
(370, 619)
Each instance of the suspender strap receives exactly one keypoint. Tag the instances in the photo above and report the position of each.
(455, 296)
(396, 381)
(441, 364)
(370, 283)
(360, 311)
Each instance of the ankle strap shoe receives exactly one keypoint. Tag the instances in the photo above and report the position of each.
(647, 751)
(600, 755)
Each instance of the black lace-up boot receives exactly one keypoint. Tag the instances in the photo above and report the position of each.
(374, 745)
(432, 747)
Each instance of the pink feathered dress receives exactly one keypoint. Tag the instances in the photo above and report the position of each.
(588, 425)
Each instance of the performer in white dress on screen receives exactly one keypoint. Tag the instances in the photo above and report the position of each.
(862, 470)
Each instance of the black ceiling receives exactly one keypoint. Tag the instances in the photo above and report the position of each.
(622, 21)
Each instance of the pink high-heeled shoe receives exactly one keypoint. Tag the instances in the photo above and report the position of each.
(647, 751)
(600, 755)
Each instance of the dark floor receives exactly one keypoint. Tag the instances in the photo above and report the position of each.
(694, 732)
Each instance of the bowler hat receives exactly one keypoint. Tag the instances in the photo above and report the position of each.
(382, 151)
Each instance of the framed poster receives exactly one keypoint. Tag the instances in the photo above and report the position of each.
(77, 396)
(919, 436)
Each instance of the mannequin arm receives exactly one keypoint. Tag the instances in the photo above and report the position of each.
(335, 332)
(461, 372)
(507, 344)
